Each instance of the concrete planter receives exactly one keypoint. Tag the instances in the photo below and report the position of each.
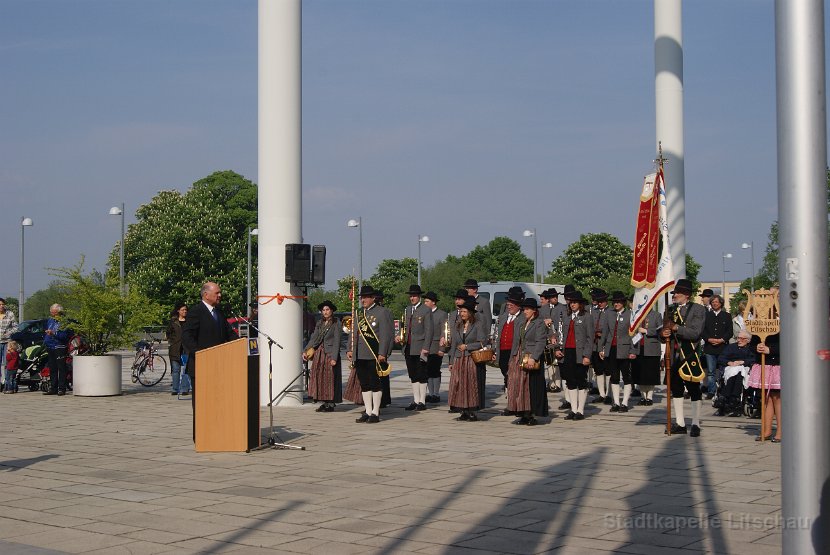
(96, 376)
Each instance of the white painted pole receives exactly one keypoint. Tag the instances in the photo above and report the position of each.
(802, 271)
(280, 191)
(668, 88)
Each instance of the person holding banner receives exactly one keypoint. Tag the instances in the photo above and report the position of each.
(373, 342)
(772, 378)
(684, 325)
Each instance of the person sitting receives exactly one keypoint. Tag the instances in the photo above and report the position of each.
(735, 360)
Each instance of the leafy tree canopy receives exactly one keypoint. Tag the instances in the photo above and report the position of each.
(593, 261)
(501, 259)
(37, 305)
(181, 241)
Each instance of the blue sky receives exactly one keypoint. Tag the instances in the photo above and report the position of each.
(459, 119)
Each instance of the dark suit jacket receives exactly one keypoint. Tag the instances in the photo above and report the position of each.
(201, 331)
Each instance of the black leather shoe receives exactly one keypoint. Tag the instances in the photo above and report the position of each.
(579, 416)
(464, 416)
(374, 419)
(677, 429)
(570, 416)
(649, 402)
(363, 418)
(623, 408)
(565, 406)
(473, 417)
(615, 408)
(412, 406)
(330, 408)
(556, 389)
(532, 421)
(695, 431)
(321, 408)
(420, 406)
(642, 402)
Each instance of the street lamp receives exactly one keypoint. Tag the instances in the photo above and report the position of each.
(358, 223)
(24, 223)
(115, 211)
(254, 231)
(532, 233)
(723, 290)
(421, 239)
(751, 247)
(544, 246)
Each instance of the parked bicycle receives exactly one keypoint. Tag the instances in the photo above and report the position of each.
(149, 367)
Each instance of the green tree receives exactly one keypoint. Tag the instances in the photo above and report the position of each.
(445, 277)
(692, 271)
(394, 277)
(37, 305)
(181, 241)
(501, 259)
(596, 259)
(14, 306)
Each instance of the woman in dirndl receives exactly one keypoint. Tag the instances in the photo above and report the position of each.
(466, 336)
(772, 384)
(526, 389)
(326, 379)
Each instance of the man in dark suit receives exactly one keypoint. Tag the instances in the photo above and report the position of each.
(204, 326)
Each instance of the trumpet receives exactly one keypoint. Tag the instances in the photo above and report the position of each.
(347, 324)
(403, 326)
(447, 338)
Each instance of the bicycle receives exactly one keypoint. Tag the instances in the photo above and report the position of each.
(149, 367)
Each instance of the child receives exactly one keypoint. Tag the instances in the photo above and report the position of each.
(12, 364)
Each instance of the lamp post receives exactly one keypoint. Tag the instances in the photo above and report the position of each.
(421, 239)
(532, 233)
(24, 223)
(751, 247)
(723, 289)
(115, 211)
(358, 223)
(544, 246)
(254, 231)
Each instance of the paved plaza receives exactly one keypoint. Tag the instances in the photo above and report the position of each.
(119, 475)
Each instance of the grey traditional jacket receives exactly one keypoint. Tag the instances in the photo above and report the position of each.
(653, 324)
(418, 322)
(380, 321)
(439, 320)
(617, 321)
(583, 333)
(517, 322)
(474, 339)
(327, 336)
(530, 337)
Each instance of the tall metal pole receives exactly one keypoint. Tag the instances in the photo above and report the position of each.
(121, 265)
(751, 247)
(419, 260)
(24, 223)
(802, 271)
(360, 250)
(668, 88)
(723, 292)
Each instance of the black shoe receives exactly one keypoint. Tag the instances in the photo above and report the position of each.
(635, 393)
(695, 431)
(363, 418)
(321, 408)
(330, 408)
(677, 429)
(565, 406)
(420, 406)
(579, 416)
(521, 421)
(623, 408)
(642, 402)
(615, 408)
(473, 417)
(608, 401)
(412, 406)
(570, 416)
(374, 419)
(464, 416)
(506, 412)
(531, 421)
(649, 402)
(61, 393)
(453, 410)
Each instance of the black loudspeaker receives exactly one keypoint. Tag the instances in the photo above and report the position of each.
(297, 263)
(318, 264)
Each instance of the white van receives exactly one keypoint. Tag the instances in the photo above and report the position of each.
(496, 292)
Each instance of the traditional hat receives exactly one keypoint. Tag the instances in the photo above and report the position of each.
(514, 299)
(414, 289)
(379, 294)
(683, 286)
(569, 290)
(618, 297)
(599, 295)
(471, 283)
(530, 303)
(552, 292)
(576, 296)
(707, 293)
(545, 294)
(367, 291)
(517, 292)
(328, 304)
(469, 304)
(431, 296)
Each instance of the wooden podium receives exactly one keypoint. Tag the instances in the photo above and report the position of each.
(227, 398)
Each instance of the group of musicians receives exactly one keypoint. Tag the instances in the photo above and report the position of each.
(539, 348)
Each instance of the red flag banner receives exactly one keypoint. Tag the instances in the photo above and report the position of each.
(647, 234)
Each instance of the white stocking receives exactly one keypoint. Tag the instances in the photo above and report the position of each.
(615, 393)
(696, 413)
(580, 403)
(423, 393)
(647, 391)
(367, 401)
(603, 391)
(376, 396)
(416, 392)
(677, 405)
(626, 393)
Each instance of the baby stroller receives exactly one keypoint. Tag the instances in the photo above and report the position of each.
(32, 363)
(76, 346)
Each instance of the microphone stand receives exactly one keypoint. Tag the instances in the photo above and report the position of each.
(274, 440)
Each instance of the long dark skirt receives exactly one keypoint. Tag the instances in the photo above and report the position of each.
(526, 390)
(464, 390)
(353, 392)
(646, 370)
(326, 382)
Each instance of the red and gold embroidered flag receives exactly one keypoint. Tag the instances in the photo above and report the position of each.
(647, 234)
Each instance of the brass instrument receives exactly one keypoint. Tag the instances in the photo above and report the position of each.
(347, 324)
(403, 327)
(526, 363)
(447, 338)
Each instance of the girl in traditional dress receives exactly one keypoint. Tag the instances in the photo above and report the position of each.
(526, 392)
(326, 382)
(772, 385)
(466, 336)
